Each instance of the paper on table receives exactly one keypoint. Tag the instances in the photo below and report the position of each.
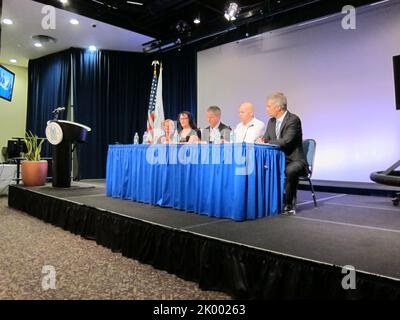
(267, 144)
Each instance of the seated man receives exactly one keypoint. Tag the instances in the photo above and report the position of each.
(249, 128)
(216, 131)
(284, 129)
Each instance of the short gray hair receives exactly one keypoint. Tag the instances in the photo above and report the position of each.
(279, 100)
(214, 109)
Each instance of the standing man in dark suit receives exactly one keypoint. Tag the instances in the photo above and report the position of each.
(216, 131)
(284, 130)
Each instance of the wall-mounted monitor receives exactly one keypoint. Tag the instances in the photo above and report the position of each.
(7, 78)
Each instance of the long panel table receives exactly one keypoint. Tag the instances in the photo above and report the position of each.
(235, 181)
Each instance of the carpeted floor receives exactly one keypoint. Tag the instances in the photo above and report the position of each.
(84, 270)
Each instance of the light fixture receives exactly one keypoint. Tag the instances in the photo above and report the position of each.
(74, 21)
(378, 3)
(13, 60)
(151, 46)
(92, 48)
(197, 20)
(182, 26)
(41, 40)
(135, 3)
(158, 45)
(7, 21)
(65, 2)
(231, 11)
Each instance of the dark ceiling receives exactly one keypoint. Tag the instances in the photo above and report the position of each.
(171, 21)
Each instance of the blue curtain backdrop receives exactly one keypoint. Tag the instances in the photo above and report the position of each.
(111, 96)
(179, 82)
(111, 93)
(48, 88)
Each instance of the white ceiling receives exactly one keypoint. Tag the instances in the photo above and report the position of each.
(16, 39)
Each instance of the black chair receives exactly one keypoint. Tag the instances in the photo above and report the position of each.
(309, 147)
(389, 177)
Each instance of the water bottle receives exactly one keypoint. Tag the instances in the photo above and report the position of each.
(176, 137)
(232, 137)
(136, 138)
(144, 141)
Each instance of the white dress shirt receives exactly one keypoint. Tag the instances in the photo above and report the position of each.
(214, 132)
(250, 132)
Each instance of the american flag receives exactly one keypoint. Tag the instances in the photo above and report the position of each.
(155, 113)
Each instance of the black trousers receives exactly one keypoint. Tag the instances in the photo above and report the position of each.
(293, 171)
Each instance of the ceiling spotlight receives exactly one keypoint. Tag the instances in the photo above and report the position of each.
(38, 45)
(92, 48)
(196, 20)
(64, 1)
(13, 60)
(182, 26)
(7, 21)
(231, 11)
(74, 21)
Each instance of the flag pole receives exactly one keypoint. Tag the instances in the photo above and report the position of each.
(159, 107)
(150, 117)
(155, 63)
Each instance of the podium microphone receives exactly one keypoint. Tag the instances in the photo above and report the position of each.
(58, 109)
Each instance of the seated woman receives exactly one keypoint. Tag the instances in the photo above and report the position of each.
(189, 133)
(169, 129)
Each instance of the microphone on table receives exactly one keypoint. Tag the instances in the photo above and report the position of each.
(244, 138)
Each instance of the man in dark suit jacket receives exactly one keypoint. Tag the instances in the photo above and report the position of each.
(284, 130)
(216, 126)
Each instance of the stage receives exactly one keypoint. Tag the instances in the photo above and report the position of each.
(274, 257)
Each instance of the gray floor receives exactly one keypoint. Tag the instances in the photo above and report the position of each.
(361, 231)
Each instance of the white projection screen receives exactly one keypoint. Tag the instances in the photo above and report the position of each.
(340, 82)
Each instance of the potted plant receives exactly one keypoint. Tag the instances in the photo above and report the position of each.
(33, 169)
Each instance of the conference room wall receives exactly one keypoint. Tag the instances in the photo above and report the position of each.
(13, 114)
(340, 82)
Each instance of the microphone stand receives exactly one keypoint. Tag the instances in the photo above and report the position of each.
(57, 112)
(244, 138)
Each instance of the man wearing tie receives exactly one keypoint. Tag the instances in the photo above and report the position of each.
(249, 128)
(216, 131)
(284, 130)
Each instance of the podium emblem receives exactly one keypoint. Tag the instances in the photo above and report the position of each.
(54, 133)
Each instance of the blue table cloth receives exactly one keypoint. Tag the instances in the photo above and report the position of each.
(236, 181)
